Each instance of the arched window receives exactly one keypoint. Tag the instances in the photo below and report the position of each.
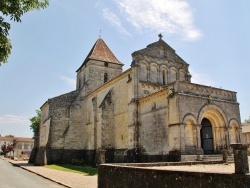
(79, 83)
(163, 77)
(105, 79)
(154, 106)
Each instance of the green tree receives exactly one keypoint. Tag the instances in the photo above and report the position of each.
(35, 122)
(247, 120)
(14, 10)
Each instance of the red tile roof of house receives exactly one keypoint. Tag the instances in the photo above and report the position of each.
(18, 139)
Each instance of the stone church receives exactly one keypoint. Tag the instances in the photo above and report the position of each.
(150, 112)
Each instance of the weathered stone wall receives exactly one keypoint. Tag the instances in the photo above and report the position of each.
(112, 113)
(59, 113)
(40, 133)
(160, 64)
(45, 112)
(98, 120)
(145, 177)
(151, 70)
(194, 104)
(92, 74)
(246, 134)
(147, 88)
(107, 131)
(44, 133)
(153, 124)
(205, 91)
(76, 131)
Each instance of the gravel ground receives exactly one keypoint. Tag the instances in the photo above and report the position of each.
(213, 168)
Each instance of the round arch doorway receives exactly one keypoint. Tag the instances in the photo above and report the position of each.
(207, 136)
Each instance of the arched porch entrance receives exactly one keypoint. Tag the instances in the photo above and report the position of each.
(206, 135)
(213, 129)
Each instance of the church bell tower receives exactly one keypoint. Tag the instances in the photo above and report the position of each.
(99, 67)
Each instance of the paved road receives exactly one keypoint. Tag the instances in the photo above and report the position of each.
(15, 177)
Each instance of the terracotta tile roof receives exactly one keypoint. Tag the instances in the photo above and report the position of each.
(22, 139)
(6, 139)
(18, 139)
(101, 52)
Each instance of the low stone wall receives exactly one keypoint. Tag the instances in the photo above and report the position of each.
(57, 156)
(183, 163)
(114, 176)
(190, 157)
(130, 156)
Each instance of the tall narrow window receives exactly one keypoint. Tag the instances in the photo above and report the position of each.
(154, 106)
(105, 77)
(129, 78)
(79, 84)
(163, 77)
(165, 53)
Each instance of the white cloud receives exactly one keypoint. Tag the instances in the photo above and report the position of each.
(200, 78)
(69, 81)
(10, 119)
(115, 21)
(171, 17)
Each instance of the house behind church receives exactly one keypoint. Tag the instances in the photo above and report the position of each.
(23, 146)
(146, 113)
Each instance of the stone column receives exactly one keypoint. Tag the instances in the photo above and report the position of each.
(198, 136)
(100, 153)
(148, 75)
(216, 137)
(199, 150)
(239, 134)
(167, 76)
(159, 76)
(229, 134)
(225, 155)
(240, 158)
(227, 137)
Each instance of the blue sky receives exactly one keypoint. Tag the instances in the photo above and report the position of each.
(50, 45)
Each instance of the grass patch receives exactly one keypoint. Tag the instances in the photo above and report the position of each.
(85, 170)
